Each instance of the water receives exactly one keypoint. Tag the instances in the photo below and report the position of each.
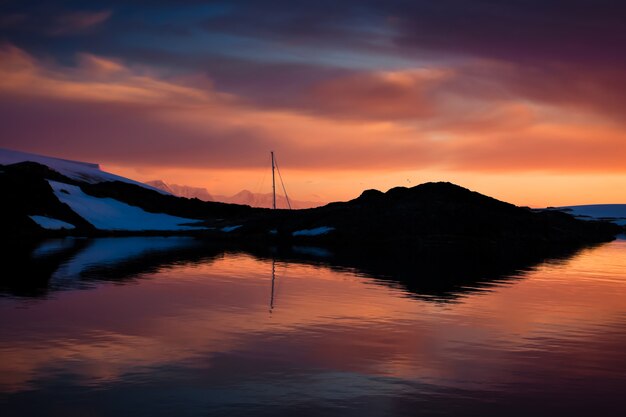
(166, 326)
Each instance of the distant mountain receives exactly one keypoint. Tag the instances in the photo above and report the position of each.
(161, 185)
(183, 190)
(191, 192)
(265, 200)
(244, 197)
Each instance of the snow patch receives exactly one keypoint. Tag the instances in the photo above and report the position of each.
(80, 171)
(51, 224)
(110, 214)
(313, 232)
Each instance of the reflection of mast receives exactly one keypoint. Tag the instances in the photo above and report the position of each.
(273, 280)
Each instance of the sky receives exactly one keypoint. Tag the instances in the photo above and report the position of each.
(522, 100)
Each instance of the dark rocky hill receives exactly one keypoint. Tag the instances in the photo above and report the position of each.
(437, 213)
(25, 192)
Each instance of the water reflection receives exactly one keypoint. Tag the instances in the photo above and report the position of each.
(72, 263)
(194, 336)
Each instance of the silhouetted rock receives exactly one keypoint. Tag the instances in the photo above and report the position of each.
(26, 192)
(441, 213)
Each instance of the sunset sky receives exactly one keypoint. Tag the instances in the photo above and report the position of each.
(523, 100)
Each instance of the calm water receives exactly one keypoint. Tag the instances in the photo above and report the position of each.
(162, 326)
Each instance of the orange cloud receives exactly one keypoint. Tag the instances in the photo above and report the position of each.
(369, 125)
(574, 147)
(389, 95)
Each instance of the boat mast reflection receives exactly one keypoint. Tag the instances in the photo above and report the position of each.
(273, 284)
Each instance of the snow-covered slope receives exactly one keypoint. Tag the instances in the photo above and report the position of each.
(614, 212)
(110, 214)
(80, 171)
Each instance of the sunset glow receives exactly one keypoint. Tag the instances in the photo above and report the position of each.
(350, 95)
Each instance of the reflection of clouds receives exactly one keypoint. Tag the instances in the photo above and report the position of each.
(213, 319)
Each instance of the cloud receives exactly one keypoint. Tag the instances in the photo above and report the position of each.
(107, 111)
(23, 21)
(95, 79)
(387, 95)
(465, 95)
(530, 31)
(543, 147)
(589, 87)
(510, 30)
(77, 22)
(563, 53)
(575, 31)
(126, 117)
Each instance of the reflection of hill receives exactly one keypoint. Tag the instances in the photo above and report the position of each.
(28, 267)
(437, 274)
(70, 263)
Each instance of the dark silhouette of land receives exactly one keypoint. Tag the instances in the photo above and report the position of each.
(421, 217)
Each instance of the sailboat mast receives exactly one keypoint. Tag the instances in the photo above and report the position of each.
(273, 183)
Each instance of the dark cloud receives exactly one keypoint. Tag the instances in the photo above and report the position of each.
(516, 30)
(583, 87)
(44, 20)
(275, 84)
(330, 24)
(546, 36)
